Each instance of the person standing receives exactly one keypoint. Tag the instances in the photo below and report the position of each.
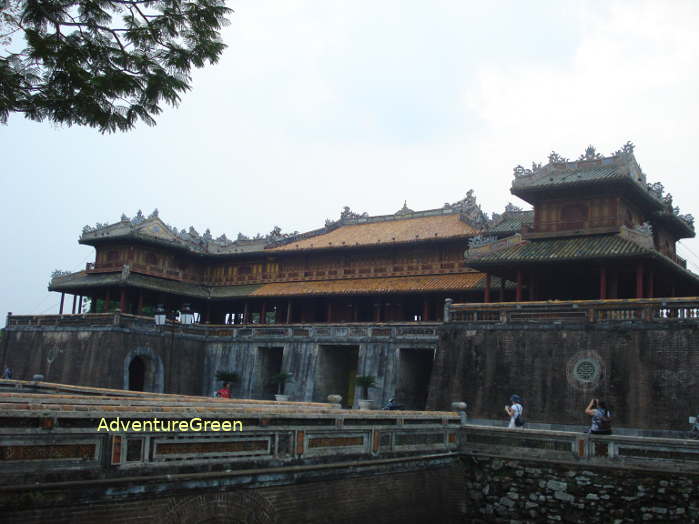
(515, 410)
(601, 417)
(225, 391)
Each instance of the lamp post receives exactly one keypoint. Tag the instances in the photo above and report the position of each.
(186, 315)
(160, 315)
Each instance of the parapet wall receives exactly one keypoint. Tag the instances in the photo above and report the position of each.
(641, 356)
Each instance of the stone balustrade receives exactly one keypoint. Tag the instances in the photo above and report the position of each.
(576, 311)
(368, 330)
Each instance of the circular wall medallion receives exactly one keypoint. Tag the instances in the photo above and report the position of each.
(585, 370)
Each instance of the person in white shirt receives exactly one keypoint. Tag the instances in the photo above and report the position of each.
(515, 411)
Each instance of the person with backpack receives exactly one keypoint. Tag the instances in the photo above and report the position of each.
(515, 410)
(601, 417)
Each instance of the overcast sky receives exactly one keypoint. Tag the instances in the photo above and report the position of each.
(320, 104)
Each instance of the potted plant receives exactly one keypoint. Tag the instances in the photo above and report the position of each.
(365, 382)
(280, 379)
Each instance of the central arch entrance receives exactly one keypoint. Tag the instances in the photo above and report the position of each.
(137, 374)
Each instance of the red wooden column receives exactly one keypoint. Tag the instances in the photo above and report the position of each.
(486, 293)
(122, 300)
(329, 311)
(60, 310)
(75, 298)
(651, 286)
(377, 312)
(263, 313)
(288, 312)
(639, 280)
(106, 302)
(425, 310)
(518, 293)
(602, 282)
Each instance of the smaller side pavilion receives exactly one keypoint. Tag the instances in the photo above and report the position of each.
(599, 231)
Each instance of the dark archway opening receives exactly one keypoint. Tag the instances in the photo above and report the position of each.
(137, 374)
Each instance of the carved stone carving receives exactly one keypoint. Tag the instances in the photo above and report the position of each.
(138, 219)
(347, 213)
(555, 158)
(470, 210)
(405, 210)
(154, 214)
(590, 154)
(626, 149)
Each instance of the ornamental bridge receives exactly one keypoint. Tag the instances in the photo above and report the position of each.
(313, 462)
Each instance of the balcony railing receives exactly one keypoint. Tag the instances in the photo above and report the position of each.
(577, 311)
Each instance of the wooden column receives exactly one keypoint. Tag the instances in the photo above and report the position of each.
(207, 313)
(288, 312)
(486, 293)
(425, 310)
(107, 302)
(60, 309)
(518, 293)
(75, 298)
(639, 280)
(377, 312)
(651, 284)
(139, 307)
(80, 305)
(329, 312)
(602, 282)
(263, 313)
(122, 300)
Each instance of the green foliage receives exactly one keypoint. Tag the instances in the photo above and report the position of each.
(104, 63)
(227, 376)
(365, 382)
(280, 379)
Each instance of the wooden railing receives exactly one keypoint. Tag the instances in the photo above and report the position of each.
(577, 311)
(431, 266)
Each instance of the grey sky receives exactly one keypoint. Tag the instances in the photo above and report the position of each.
(320, 104)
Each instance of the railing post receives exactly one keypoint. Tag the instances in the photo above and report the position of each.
(447, 309)
(460, 408)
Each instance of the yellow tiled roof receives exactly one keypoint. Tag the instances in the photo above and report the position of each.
(385, 232)
(359, 286)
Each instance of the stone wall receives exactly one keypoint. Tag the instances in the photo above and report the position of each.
(185, 361)
(506, 490)
(648, 373)
(100, 356)
(397, 497)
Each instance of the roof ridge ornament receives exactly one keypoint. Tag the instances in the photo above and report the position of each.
(405, 210)
(590, 154)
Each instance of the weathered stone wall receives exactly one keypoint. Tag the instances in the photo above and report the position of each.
(649, 374)
(187, 363)
(505, 490)
(433, 495)
(100, 356)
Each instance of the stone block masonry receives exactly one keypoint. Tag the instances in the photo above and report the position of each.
(506, 490)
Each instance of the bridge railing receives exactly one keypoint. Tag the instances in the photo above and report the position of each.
(649, 452)
(99, 436)
(575, 311)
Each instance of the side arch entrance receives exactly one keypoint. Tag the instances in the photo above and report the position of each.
(143, 371)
